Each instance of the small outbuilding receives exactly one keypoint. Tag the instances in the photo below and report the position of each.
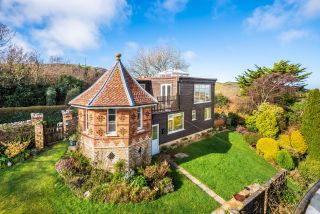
(114, 117)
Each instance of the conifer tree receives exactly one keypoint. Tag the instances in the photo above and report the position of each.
(311, 124)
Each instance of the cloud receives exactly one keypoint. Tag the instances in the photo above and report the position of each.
(165, 10)
(58, 25)
(292, 35)
(282, 13)
(22, 42)
(189, 55)
(130, 48)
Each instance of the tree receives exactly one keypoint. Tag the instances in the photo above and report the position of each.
(282, 67)
(67, 82)
(72, 93)
(272, 88)
(311, 124)
(149, 62)
(5, 35)
(51, 96)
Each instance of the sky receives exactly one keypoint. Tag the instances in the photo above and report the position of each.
(218, 38)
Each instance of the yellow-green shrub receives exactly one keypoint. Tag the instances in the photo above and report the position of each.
(268, 148)
(298, 143)
(284, 141)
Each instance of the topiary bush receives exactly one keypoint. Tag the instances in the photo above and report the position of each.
(268, 148)
(284, 141)
(267, 124)
(298, 143)
(284, 160)
(310, 127)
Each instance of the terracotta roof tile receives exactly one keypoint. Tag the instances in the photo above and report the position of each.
(114, 88)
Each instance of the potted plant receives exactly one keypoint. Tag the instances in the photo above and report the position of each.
(72, 140)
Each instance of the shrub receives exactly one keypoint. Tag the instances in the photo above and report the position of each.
(233, 119)
(268, 148)
(139, 182)
(219, 123)
(51, 96)
(298, 143)
(251, 137)
(310, 127)
(221, 101)
(16, 147)
(65, 165)
(284, 160)
(284, 141)
(268, 120)
(310, 169)
(164, 186)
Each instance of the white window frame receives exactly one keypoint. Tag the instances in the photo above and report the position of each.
(113, 122)
(140, 118)
(194, 115)
(204, 90)
(204, 113)
(166, 90)
(172, 118)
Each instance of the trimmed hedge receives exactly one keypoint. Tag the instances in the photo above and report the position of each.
(268, 148)
(52, 114)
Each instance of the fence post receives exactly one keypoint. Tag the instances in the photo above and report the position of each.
(37, 122)
(67, 120)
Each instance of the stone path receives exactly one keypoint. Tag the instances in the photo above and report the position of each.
(211, 193)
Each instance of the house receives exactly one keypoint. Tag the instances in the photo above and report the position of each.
(185, 106)
(121, 118)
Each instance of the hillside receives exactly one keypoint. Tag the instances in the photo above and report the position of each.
(230, 90)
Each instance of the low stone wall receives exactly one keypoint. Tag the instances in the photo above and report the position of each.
(10, 131)
(189, 139)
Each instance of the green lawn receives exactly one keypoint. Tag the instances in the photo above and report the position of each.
(34, 187)
(225, 163)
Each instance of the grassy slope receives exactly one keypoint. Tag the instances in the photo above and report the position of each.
(226, 164)
(34, 187)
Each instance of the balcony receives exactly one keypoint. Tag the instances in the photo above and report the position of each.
(166, 104)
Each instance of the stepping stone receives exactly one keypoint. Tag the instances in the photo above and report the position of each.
(181, 155)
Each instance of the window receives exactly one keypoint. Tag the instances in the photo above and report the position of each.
(140, 118)
(143, 86)
(111, 126)
(202, 93)
(166, 90)
(194, 114)
(207, 113)
(175, 122)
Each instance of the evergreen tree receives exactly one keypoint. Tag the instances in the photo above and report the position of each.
(311, 124)
(282, 67)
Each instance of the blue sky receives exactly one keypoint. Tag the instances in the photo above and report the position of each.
(219, 38)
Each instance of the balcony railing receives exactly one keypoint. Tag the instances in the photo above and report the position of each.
(166, 104)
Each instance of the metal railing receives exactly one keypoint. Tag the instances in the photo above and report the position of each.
(167, 104)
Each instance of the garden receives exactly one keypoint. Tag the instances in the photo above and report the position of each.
(35, 187)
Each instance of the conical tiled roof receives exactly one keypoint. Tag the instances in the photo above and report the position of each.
(115, 88)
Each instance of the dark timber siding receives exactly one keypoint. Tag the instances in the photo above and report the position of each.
(186, 93)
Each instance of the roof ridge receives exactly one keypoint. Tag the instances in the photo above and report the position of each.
(128, 92)
(104, 84)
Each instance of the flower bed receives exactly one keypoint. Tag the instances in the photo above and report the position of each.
(141, 184)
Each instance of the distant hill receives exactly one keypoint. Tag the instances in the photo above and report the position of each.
(51, 72)
(231, 90)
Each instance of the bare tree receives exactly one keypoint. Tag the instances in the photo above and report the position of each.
(149, 62)
(272, 88)
(5, 35)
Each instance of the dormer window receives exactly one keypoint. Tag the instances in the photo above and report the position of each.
(112, 121)
(140, 118)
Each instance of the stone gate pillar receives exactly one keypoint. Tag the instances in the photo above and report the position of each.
(67, 120)
(37, 122)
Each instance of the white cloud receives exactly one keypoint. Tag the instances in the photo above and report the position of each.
(292, 35)
(165, 10)
(282, 13)
(189, 55)
(22, 42)
(58, 24)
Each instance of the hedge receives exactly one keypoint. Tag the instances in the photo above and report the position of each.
(52, 114)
